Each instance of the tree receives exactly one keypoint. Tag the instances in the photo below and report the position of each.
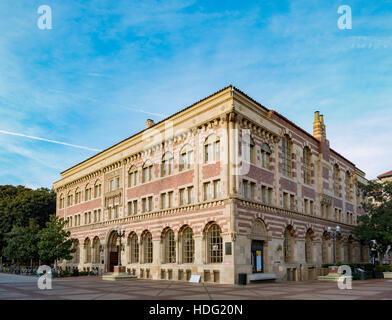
(54, 242)
(19, 204)
(22, 243)
(377, 224)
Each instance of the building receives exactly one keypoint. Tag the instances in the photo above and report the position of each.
(224, 186)
(385, 177)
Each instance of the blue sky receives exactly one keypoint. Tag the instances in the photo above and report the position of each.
(106, 66)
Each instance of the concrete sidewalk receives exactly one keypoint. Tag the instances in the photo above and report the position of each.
(14, 287)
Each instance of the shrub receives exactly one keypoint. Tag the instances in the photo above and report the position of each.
(383, 268)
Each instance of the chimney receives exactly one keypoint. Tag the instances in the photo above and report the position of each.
(319, 127)
(149, 123)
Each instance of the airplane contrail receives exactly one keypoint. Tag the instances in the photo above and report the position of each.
(48, 140)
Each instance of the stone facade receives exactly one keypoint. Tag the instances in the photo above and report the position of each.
(223, 187)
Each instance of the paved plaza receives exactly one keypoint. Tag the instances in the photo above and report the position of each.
(14, 287)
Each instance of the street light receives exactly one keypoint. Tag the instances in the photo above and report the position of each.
(120, 234)
(333, 234)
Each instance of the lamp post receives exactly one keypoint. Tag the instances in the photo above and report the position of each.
(333, 234)
(120, 234)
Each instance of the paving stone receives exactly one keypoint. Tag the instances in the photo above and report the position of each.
(97, 289)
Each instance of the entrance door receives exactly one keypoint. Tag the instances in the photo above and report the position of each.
(113, 260)
(257, 256)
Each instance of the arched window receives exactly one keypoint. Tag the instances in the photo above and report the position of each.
(147, 247)
(97, 189)
(167, 164)
(306, 163)
(186, 157)
(170, 247)
(336, 180)
(69, 199)
(188, 246)
(288, 245)
(61, 201)
(212, 149)
(265, 155)
(134, 248)
(147, 171)
(248, 148)
(286, 156)
(215, 250)
(132, 177)
(348, 186)
(309, 246)
(78, 196)
(96, 253)
(87, 193)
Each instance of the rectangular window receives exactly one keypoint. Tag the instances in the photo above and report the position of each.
(311, 208)
(269, 195)
(306, 206)
(217, 150)
(190, 195)
(292, 202)
(170, 199)
(217, 189)
(163, 200)
(132, 207)
(97, 192)
(135, 207)
(150, 204)
(132, 179)
(190, 154)
(207, 191)
(183, 161)
(144, 204)
(145, 172)
(252, 187)
(285, 200)
(206, 153)
(212, 151)
(244, 189)
(182, 197)
(263, 194)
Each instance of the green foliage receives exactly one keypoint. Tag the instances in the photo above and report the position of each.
(377, 224)
(383, 268)
(54, 242)
(18, 205)
(22, 243)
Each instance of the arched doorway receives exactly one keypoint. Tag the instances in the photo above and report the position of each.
(113, 251)
(259, 240)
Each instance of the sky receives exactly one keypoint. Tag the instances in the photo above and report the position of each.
(104, 67)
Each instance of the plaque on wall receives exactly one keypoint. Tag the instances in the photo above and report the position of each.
(228, 248)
